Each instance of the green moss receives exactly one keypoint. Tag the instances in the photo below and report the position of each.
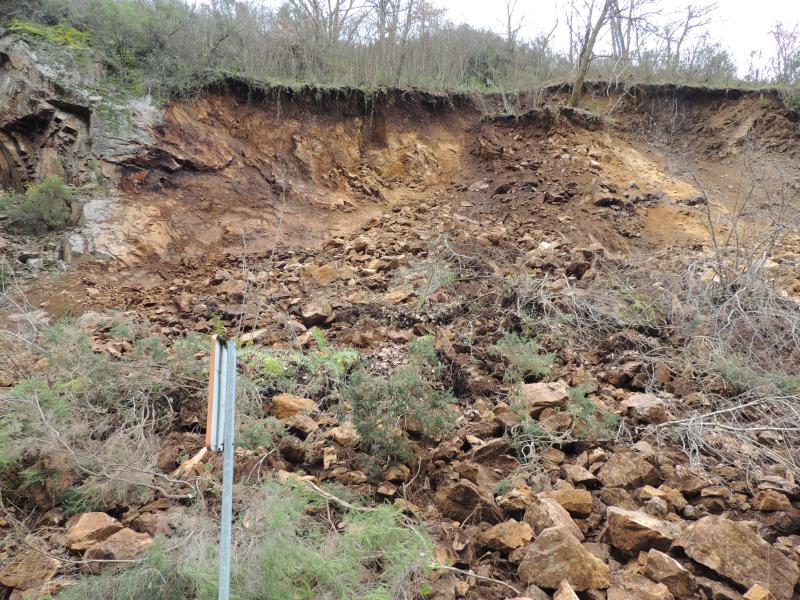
(61, 35)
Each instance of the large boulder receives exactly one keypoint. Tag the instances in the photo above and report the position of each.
(557, 555)
(627, 469)
(632, 531)
(87, 529)
(735, 551)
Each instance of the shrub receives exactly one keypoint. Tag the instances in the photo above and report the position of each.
(97, 410)
(44, 206)
(315, 374)
(529, 439)
(284, 548)
(587, 420)
(383, 409)
(525, 358)
(261, 433)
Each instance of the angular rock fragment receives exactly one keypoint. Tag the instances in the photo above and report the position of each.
(87, 529)
(557, 555)
(735, 551)
(633, 531)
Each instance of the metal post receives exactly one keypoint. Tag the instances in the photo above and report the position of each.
(226, 515)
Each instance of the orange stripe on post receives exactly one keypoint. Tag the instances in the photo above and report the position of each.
(211, 382)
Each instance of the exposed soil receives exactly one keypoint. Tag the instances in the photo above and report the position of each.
(267, 215)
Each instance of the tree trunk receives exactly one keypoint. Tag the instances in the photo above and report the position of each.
(586, 55)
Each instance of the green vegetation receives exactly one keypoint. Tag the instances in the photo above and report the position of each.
(315, 374)
(384, 409)
(525, 358)
(55, 34)
(587, 421)
(171, 47)
(43, 207)
(89, 411)
(261, 433)
(289, 551)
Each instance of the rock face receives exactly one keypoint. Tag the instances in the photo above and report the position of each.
(627, 469)
(40, 133)
(90, 528)
(633, 531)
(736, 552)
(556, 555)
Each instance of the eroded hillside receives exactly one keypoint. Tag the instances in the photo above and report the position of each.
(564, 343)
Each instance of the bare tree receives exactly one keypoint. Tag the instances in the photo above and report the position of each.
(513, 26)
(786, 62)
(679, 31)
(588, 42)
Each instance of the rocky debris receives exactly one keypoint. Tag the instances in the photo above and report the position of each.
(632, 531)
(464, 499)
(628, 585)
(662, 568)
(545, 513)
(557, 555)
(29, 570)
(124, 545)
(769, 500)
(87, 529)
(507, 536)
(538, 396)
(565, 592)
(316, 312)
(736, 552)
(75, 248)
(627, 469)
(576, 502)
(645, 408)
(284, 406)
(757, 592)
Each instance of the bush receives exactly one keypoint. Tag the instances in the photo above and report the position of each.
(284, 548)
(89, 411)
(261, 433)
(315, 374)
(384, 409)
(525, 358)
(587, 420)
(44, 206)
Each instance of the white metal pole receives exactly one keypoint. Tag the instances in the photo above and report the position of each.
(226, 515)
